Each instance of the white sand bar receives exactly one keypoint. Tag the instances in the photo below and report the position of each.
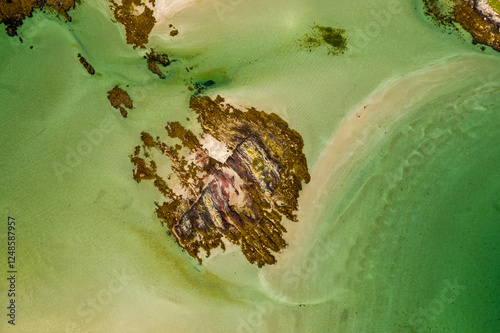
(354, 139)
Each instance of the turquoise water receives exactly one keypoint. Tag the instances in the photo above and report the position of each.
(401, 238)
(428, 203)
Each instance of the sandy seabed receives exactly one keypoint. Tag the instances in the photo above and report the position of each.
(354, 140)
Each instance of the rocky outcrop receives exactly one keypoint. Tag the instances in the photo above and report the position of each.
(120, 100)
(240, 200)
(13, 12)
(475, 16)
(86, 65)
(486, 11)
(483, 26)
(137, 18)
(154, 59)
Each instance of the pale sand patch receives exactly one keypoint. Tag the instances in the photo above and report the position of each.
(236, 103)
(216, 149)
(166, 9)
(360, 132)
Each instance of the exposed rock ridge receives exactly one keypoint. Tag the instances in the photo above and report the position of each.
(241, 200)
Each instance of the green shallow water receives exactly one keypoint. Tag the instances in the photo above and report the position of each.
(424, 210)
(404, 240)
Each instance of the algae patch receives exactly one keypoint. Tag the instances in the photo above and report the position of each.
(333, 38)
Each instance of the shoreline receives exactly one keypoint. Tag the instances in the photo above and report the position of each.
(374, 121)
(481, 21)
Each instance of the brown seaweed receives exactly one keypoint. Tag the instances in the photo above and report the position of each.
(86, 65)
(120, 100)
(241, 200)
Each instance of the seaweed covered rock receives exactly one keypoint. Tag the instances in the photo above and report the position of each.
(120, 100)
(86, 65)
(239, 196)
(475, 16)
(154, 59)
(14, 12)
(137, 18)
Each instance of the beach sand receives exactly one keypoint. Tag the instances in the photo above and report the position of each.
(352, 142)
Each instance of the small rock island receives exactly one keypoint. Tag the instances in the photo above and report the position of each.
(154, 59)
(86, 64)
(232, 183)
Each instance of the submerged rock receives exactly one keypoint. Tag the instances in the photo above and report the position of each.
(202, 86)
